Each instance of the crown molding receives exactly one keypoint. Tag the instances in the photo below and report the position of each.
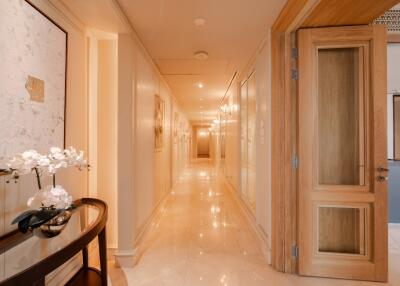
(64, 12)
(120, 13)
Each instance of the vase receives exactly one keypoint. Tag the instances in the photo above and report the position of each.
(54, 226)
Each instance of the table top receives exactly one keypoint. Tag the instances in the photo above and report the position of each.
(23, 253)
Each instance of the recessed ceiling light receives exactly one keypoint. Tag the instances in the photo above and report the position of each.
(201, 55)
(199, 22)
(200, 85)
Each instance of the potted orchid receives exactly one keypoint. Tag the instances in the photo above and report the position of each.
(49, 207)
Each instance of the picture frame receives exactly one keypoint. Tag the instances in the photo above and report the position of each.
(35, 98)
(159, 118)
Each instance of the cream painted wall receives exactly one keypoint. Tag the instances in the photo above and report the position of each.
(107, 108)
(261, 125)
(214, 145)
(126, 156)
(393, 55)
(15, 195)
(152, 173)
(263, 140)
(153, 170)
(162, 165)
(180, 151)
(231, 164)
(146, 87)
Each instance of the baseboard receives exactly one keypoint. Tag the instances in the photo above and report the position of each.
(112, 245)
(126, 258)
(260, 234)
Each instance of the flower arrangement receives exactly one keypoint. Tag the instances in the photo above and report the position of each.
(31, 161)
(49, 206)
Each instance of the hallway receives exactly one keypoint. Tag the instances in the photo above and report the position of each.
(203, 238)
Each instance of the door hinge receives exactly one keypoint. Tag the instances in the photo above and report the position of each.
(295, 162)
(295, 251)
(295, 74)
(295, 53)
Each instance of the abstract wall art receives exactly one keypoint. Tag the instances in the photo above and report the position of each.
(159, 123)
(33, 68)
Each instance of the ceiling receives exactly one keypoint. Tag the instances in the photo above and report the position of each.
(232, 32)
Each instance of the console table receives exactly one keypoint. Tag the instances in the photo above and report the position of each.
(28, 258)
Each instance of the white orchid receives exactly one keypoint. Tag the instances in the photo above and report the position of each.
(25, 161)
(31, 161)
(56, 197)
(74, 158)
(57, 158)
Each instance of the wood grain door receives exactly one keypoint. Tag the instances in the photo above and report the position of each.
(342, 153)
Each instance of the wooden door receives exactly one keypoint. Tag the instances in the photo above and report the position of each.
(342, 153)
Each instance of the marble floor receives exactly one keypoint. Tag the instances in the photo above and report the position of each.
(203, 238)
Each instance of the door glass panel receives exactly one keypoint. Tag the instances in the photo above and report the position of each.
(341, 229)
(339, 132)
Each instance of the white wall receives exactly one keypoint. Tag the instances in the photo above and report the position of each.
(153, 172)
(231, 168)
(393, 77)
(146, 87)
(231, 120)
(107, 108)
(263, 139)
(126, 156)
(180, 151)
(393, 56)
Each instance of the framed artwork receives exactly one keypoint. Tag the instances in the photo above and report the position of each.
(159, 123)
(176, 127)
(33, 70)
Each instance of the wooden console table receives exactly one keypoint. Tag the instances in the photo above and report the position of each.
(28, 258)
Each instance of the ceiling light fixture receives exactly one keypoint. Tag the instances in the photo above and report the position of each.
(200, 85)
(201, 55)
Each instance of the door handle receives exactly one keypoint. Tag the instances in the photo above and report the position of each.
(382, 169)
(381, 178)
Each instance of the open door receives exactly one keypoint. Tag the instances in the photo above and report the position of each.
(342, 153)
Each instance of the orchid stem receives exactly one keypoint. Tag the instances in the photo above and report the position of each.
(38, 178)
(54, 180)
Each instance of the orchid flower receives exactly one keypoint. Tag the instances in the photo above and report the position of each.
(31, 161)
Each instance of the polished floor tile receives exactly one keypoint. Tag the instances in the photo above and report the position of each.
(202, 238)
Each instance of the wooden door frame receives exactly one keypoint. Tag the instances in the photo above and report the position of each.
(298, 14)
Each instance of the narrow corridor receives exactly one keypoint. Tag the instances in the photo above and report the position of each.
(203, 238)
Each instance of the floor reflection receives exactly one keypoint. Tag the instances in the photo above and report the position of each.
(202, 238)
